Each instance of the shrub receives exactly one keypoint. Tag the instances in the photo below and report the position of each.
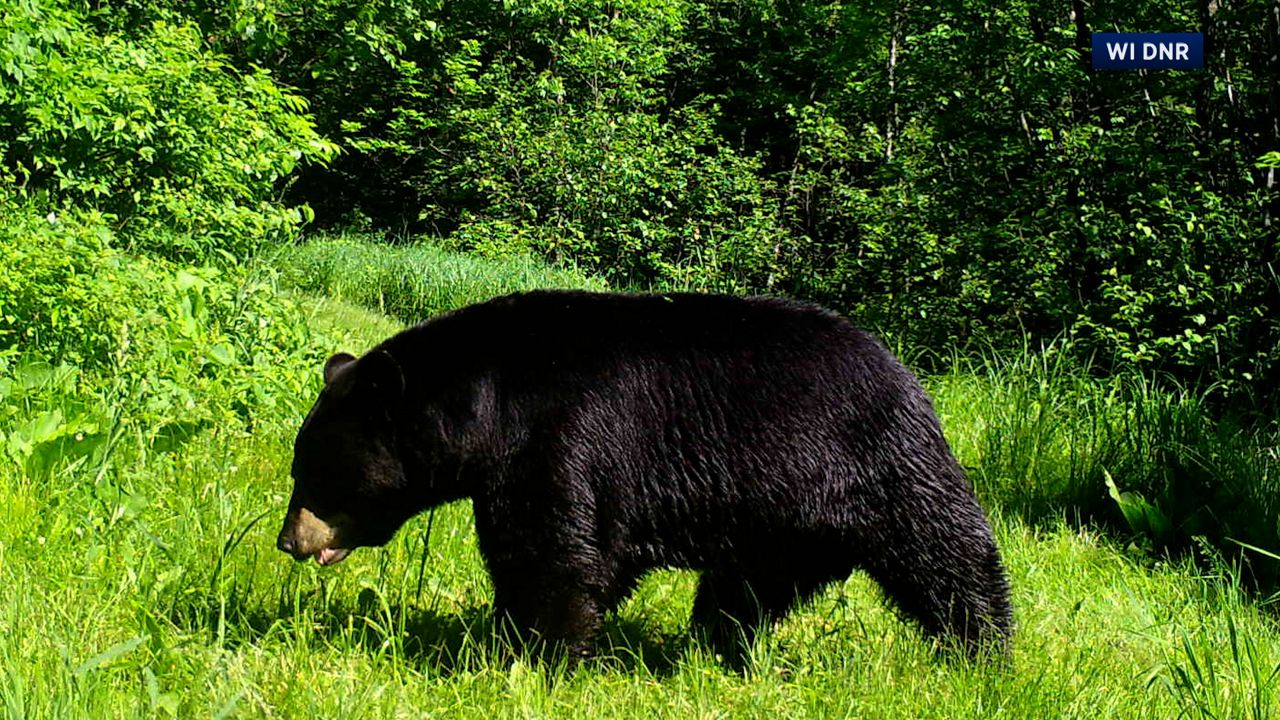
(65, 294)
(94, 342)
(177, 148)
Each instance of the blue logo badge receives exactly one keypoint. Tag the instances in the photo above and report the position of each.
(1152, 51)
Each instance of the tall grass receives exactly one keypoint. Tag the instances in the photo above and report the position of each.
(411, 282)
(1242, 683)
(1046, 439)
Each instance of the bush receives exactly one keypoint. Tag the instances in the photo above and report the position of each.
(94, 342)
(177, 148)
(634, 198)
(543, 128)
(66, 296)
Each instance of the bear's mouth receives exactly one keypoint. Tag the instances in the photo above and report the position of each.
(331, 555)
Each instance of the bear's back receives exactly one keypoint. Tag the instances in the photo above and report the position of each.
(586, 330)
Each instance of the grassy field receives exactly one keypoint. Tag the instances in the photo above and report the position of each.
(145, 583)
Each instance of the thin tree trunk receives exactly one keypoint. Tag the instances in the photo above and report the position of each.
(895, 41)
(1273, 111)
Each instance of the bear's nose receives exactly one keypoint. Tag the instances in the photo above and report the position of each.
(286, 543)
(304, 534)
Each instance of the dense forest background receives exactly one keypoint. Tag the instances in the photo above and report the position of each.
(952, 173)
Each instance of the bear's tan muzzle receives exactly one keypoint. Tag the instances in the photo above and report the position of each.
(305, 535)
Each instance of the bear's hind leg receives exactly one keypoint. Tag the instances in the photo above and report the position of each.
(723, 613)
(948, 577)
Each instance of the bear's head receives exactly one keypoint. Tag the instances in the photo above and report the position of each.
(349, 487)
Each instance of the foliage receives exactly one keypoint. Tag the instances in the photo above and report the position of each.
(178, 149)
(93, 341)
(953, 173)
(629, 196)
(974, 179)
(64, 292)
(543, 127)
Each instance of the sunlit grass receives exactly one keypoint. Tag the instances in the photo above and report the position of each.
(159, 610)
(411, 282)
(1042, 437)
(146, 584)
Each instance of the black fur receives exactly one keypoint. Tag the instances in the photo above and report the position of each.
(765, 442)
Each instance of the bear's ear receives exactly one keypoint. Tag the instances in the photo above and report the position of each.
(335, 365)
(380, 374)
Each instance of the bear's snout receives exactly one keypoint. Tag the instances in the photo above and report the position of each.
(305, 535)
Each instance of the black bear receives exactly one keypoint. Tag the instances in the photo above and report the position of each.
(765, 442)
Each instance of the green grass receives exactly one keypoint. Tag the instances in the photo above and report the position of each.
(158, 592)
(144, 582)
(411, 282)
(1043, 439)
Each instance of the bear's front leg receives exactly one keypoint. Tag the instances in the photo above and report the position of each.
(548, 580)
(550, 611)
